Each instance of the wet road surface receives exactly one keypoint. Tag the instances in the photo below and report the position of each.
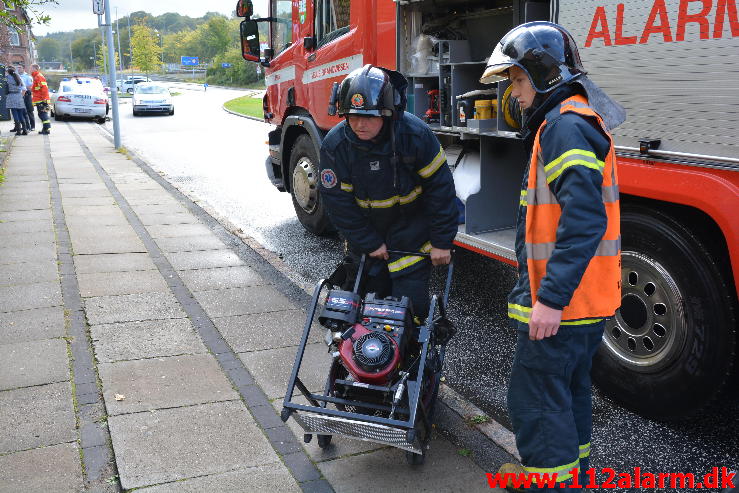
(217, 159)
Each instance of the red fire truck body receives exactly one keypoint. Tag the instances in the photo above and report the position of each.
(674, 65)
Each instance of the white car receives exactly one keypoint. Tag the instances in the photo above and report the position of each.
(151, 97)
(130, 83)
(80, 97)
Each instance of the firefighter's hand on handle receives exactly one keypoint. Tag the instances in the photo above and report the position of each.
(380, 253)
(544, 322)
(440, 256)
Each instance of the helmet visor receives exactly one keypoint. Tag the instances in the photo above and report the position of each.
(497, 66)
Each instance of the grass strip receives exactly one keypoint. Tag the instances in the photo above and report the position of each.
(246, 105)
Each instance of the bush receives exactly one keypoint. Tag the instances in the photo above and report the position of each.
(240, 73)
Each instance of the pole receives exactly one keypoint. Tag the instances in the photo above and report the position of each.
(111, 67)
(118, 35)
(130, 51)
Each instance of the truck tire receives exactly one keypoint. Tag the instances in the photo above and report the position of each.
(304, 182)
(669, 351)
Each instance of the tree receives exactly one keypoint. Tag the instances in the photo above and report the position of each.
(146, 50)
(102, 59)
(83, 50)
(35, 16)
(49, 49)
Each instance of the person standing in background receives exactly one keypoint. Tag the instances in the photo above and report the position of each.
(14, 101)
(40, 92)
(27, 98)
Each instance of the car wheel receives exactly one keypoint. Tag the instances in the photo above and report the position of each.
(304, 176)
(129, 91)
(135, 113)
(58, 117)
(171, 112)
(669, 351)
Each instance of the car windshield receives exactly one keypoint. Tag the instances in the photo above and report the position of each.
(82, 87)
(151, 90)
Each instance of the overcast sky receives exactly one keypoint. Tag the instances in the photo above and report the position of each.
(77, 14)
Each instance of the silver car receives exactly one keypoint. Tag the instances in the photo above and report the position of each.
(150, 97)
(80, 97)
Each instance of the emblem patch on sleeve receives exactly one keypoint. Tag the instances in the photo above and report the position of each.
(328, 178)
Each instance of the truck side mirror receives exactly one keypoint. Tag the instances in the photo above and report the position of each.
(244, 8)
(250, 41)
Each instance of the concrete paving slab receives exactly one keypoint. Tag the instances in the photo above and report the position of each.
(100, 231)
(203, 260)
(175, 230)
(37, 215)
(30, 240)
(114, 262)
(91, 210)
(36, 416)
(150, 339)
(221, 278)
(386, 470)
(33, 363)
(340, 446)
(28, 272)
(242, 301)
(190, 243)
(10, 255)
(131, 308)
(23, 227)
(8, 204)
(92, 245)
(87, 201)
(33, 186)
(271, 477)
(85, 223)
(271, 368)
(114, 283)
(162, 446)
(31, 325)
(159, 383)
(171, 219)
(153, 199)
(159, 209)
(28, 296)
(56, 468)
(271, 330)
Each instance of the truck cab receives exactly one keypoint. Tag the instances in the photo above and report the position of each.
(671, 348)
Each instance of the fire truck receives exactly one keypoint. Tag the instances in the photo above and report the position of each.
(673, 64)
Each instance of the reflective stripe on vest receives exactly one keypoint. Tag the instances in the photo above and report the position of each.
(390, 202)
(407, 261)
(599, 292)
(523, 314)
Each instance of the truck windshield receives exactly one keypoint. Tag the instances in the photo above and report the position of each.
(282, 26)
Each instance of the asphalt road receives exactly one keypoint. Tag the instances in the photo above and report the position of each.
(218, 159)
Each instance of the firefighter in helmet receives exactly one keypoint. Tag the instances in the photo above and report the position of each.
(567, 245)
(386, 185)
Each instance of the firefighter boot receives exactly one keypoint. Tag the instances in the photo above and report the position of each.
(46, 129)
(510, 470)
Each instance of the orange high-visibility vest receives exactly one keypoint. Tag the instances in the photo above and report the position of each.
(599, 291)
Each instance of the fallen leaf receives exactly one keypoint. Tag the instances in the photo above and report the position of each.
(119, 397)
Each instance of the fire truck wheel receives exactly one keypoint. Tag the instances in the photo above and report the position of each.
(304, 179)
(669, 351)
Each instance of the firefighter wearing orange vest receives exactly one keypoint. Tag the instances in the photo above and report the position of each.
(40, 94)
(567, 246)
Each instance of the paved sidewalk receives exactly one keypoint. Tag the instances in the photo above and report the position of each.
(141, 346)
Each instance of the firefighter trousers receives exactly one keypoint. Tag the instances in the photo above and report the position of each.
(414, 285)
(550, 400)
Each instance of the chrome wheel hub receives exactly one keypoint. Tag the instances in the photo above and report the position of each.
(650, 325)
(305, 185)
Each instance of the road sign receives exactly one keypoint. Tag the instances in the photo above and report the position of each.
(226, 65)
(190, 61)
(98, 7)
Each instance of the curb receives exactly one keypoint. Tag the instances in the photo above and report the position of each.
(461, 416)
(242, 115)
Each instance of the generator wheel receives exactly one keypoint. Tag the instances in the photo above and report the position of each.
(324, 440)
(304, 184)
(669, 351)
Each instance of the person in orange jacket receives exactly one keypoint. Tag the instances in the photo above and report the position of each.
(40, 95)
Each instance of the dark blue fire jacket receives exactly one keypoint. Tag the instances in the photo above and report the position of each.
(407, 207)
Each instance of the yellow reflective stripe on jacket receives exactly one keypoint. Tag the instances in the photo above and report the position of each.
(518, 312)
(407, 261)
(347, 187)
(523, 314)
(522, 200)
(562, 472)
(585, 450)
(434, 165)
(392, 201)
(573, 157)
